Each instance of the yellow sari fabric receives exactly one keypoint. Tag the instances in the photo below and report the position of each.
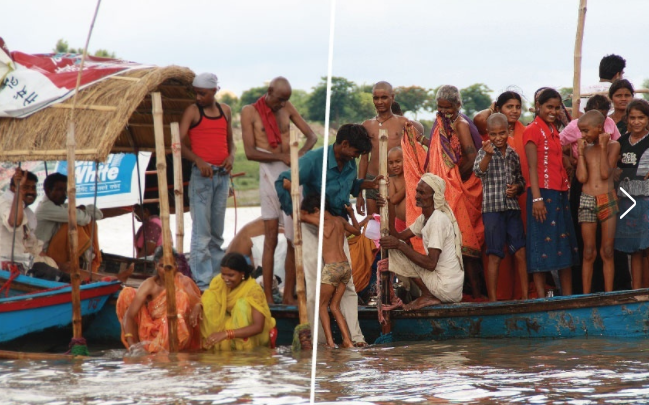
(232, 309)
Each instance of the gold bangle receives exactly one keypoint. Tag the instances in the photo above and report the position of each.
(128, 335)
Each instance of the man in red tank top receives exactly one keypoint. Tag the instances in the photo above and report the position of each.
(206, 140)
(265, 130)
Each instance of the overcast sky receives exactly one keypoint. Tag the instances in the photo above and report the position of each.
(244, 42)
(527, 43)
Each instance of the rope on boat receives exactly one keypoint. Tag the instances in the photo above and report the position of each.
(14, 273)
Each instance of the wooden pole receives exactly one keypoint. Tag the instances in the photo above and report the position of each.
(167, 258)
(297, 228)
(178, 187)
(385, 222)
(576, 84)
(73, 240)
(9, 355)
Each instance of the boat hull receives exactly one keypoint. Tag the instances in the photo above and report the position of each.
(616, 314)
(50, 308)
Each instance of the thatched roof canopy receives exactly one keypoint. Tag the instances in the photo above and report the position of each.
(111, 116)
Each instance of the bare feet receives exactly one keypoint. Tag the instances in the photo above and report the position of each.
(360, 344)
(347, 344)
(125, 274)
(289, 301)
(423, 301)
(331, 345)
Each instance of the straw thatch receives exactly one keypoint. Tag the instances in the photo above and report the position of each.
(112, 116)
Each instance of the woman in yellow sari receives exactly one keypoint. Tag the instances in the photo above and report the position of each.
(235, 313)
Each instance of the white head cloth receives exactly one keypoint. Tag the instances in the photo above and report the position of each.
(206, 81)
(439, 200)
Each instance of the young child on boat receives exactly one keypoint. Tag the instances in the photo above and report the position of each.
(597, 158)
(336, 272)
(397, 188)
(499, 168)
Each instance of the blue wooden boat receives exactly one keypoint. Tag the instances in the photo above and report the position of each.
(614, 314)
(34, 305)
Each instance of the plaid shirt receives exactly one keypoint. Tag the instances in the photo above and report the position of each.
(500, 172)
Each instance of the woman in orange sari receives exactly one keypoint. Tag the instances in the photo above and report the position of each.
(451, 154)
(143, 312)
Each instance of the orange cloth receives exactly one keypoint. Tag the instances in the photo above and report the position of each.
(516, 142)
(414, 157)
(464, 198)
(362, 251)
(152, 318)
(59, 249)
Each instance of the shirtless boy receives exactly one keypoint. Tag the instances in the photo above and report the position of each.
(598, 201)
(336, 272)
(265, 129)
(397, 188)
(383, 97)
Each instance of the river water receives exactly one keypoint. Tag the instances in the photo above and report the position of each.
(502, 371)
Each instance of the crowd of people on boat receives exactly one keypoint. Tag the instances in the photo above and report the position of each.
(551, 196)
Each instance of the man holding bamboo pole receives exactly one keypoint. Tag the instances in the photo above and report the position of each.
(352, 141)
(265, 132)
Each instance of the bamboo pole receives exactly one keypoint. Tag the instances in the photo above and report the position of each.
(178, 187)
(10, 355)
(385, 222)
(297, 227)
(576, 84)
(73, 240)
(167, 258)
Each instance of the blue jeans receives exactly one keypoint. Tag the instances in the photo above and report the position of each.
(207, 202)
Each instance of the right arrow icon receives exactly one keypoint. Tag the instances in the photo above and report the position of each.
(631, 207)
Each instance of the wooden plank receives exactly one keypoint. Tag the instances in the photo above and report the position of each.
(106, 108)
(178, 186)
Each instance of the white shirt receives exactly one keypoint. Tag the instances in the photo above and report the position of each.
(26, 243)
(437, 233)
(599, 87)
(50, 217)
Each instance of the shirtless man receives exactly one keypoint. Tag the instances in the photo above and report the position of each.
(265, 129)
(383, 97)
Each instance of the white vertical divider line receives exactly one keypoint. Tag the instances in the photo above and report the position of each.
(316, 317)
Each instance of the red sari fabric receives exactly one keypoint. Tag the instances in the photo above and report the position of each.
(414, 157)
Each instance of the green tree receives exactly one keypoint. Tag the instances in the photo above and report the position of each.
(251, 95)
(431, 103)
(363, 107)
(229, 99)
(299, 99)
(102, 53)
(412, 98)
(61, 46)
(343, 101)
(475, 98)
(645, 85)
(566, 96)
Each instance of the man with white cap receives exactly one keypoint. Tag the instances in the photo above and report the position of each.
(439, 274)
(206, 140)
(265, 131)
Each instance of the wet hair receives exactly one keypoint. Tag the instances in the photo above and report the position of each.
(159, 252)
(638, 104)
(312, 202)
(610, 65)
(497, 118)
(396, 108)
(503, 98)
(450, 94)
(598, 102)
(544, 94)
(357, 137)
(52, 179)
(237, 261)
(593, 118)
(620, 84)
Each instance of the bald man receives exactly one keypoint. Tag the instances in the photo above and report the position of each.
(265, 129)
(368, 168)
(206, 140)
